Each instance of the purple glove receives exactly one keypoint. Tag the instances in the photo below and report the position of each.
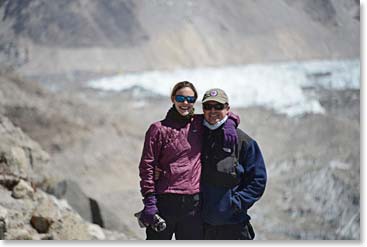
(235, 118)
(150, 209)
(229, 134)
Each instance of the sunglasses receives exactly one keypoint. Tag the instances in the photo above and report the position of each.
(217, 107)
(181, 98)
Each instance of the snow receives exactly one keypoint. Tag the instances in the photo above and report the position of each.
(278, 86)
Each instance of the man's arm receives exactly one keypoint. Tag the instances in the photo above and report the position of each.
(253, 179)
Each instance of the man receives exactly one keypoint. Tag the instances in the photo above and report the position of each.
(233, 177)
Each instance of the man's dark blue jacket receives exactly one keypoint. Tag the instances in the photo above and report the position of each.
(228, 191)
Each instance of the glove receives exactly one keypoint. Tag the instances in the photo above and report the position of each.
(150, 209)
(229, 134)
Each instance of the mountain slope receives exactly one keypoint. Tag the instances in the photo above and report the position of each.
(77, 37)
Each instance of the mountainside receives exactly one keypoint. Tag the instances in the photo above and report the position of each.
(27, 212)
(80, 38)
(107, 144)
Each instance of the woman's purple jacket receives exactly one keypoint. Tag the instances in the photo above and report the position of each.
(175, 148)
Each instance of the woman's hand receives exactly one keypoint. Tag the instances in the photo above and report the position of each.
(229, 134)
(150, 209)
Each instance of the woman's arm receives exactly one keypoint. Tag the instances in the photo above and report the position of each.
(149, 160)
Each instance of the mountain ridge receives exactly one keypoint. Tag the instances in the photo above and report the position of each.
(70, 37)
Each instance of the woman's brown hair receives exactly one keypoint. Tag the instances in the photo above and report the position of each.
(183, 84)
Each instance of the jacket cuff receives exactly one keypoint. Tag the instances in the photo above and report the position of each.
(148, 193)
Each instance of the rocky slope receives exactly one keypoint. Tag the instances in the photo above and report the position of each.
(70, 40)
(54, 122)
(314, 174)
(26, 211)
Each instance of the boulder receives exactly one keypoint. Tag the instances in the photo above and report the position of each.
(20, 157)
(45, 214)
(22, 190)
(96, 232)
(23, 232)
(19, 234)
(114, 235)
(13, 160)
(70, 227)
(87, 207)
(3, 213)
(3, 219)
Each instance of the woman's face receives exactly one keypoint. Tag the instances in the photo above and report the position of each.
(183, 107)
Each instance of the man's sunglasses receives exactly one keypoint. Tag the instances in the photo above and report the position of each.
(217, 107)
(181, 98)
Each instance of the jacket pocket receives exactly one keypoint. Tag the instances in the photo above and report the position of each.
(226, 171)
(227, 165)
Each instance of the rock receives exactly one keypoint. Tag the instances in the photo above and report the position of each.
(70, 227)
(62, 204)
(9, 181)
(41, 224)
(3, 213)
(19, 234)
(87, 207)
(96, 232)
(2, 229)
(113, 235)
(20, 157)
(57, 189)
(3, 218)
(44, 215)
(96, 212)
(22, 190)
(20, 160)
(75, 196)
(46, 236)
(12, 160)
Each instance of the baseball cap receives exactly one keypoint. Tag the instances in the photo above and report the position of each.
(215, 94)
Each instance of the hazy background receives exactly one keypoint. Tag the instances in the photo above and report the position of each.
(85, 79)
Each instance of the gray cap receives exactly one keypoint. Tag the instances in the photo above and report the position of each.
(215, 94)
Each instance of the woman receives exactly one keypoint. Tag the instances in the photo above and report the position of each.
(173, 146)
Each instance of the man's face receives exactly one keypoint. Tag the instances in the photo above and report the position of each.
(214, 111)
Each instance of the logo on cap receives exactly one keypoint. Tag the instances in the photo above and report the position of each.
(213, 93)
